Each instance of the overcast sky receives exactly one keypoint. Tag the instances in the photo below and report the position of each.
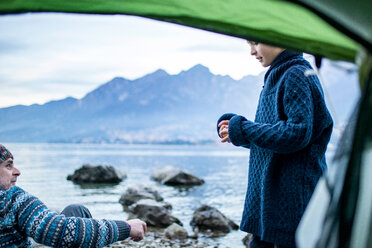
(45, 57)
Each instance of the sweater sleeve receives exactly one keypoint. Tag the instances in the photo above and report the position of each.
(237, 135)
(55, 230)
(288, 135)
(224, 117)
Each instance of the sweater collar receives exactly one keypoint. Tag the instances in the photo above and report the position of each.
(284, 56)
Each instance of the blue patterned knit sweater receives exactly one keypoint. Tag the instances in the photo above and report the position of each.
(287, 142)
(23, 215)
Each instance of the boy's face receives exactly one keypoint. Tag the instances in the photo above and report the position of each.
(265, 54)
(8, 174)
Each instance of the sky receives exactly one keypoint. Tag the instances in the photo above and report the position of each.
(47, 57)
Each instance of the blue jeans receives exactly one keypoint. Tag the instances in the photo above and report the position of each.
(76, 210)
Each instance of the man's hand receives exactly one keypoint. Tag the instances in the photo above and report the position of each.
(224, 131)
(138, 229)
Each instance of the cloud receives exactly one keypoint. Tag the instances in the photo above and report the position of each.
(10, 47)
(218, 48)
(42, 50)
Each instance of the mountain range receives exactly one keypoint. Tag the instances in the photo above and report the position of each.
(156, 108)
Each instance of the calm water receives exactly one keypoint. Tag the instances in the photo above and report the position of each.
(224, 168)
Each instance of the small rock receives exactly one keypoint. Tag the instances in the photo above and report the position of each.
(138, 192)
(206, 217)
(246, 239)
(195, 234)
(154, 213)
(97, 174)
(175, 231)
(176, 177)
(160, 173)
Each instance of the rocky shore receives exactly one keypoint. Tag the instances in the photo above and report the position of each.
(164, 229)
(156, 238)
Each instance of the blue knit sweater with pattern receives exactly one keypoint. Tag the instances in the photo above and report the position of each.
(287, 142)
(23, 215)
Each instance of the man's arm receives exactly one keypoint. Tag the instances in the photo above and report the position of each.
(49, 228)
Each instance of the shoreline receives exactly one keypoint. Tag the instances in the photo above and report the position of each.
(155, 238)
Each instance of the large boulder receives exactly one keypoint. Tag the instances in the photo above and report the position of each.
(138, 192)
(157, 214)
(169, 175)
(176, 231)
(207, 217)
(97, 174)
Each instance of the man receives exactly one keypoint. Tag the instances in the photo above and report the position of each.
(287, 141)
(23, 215)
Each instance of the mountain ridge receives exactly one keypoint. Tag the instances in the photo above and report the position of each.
(156, 108)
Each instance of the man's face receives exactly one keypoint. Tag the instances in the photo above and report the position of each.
(265, 54)
(8, 174)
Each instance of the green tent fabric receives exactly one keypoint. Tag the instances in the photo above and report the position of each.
(269, 21)
(352, 18)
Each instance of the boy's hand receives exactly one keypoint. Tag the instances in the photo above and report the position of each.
(138, 229)
(224, 131)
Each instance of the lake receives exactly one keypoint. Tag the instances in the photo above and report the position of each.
(224, 168)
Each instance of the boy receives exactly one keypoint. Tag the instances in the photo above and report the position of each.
(287, 143)
(23, 215)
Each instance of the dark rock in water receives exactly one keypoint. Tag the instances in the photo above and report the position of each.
(206, 217)
(176, 177)
(154, 213)
(96, 174)
(138, 192)
(160, 173)
(182, 178)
